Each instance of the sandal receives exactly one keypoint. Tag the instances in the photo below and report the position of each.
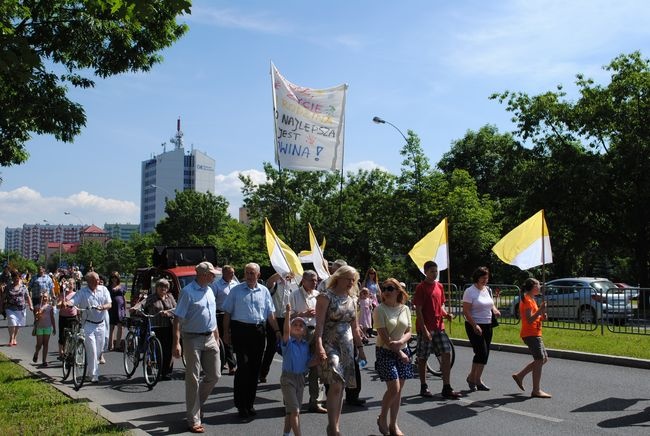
(196, 428)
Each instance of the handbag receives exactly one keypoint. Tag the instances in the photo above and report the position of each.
(494, 321)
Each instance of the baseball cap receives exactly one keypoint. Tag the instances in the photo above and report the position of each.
(206, 267)
(298, 319)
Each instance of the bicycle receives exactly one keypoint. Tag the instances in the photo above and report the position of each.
(434, 361)
(147, 349)
(74, 352)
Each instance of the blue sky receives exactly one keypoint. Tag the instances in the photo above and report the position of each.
(428, 66)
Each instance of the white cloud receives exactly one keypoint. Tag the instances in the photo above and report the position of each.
(230, 186)
(24, 205)
(231, 18)
(366, 165)
(542, 39)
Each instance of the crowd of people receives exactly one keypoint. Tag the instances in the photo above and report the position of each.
(320, 329)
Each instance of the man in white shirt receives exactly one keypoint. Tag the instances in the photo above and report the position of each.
(303, 305)
(97, 300)
(221, 288)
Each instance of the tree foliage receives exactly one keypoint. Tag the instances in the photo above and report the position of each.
(598, 147)
(47, 45)
(192, 217)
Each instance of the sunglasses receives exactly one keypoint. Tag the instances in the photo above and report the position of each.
(388, 288)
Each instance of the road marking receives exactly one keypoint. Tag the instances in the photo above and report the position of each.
(515, 411)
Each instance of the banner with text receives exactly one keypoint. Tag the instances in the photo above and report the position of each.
(309, 125)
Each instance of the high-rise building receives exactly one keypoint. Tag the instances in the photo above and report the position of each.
(31, 240)
(122, 232)
(170, 172)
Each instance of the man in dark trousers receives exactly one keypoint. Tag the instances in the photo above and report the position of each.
(247, 309)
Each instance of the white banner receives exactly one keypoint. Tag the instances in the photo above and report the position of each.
(309, 125)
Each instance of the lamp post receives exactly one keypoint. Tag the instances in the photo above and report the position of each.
(418, 217)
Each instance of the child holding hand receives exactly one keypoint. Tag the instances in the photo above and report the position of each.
(296, 359)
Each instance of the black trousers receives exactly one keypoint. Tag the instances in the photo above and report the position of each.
(480, 344)
(271, 347)
(229, 354)
(164, 334)
(353, 393)
(248, 341)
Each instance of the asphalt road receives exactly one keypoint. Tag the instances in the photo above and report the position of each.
(588, 398)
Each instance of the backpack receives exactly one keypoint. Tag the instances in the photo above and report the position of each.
(15, 300)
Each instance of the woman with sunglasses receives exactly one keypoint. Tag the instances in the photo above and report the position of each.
(393, 322)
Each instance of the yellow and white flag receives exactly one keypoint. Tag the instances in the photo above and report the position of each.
(527, 245)
(283, 258)
(432, 247)
(316, 255)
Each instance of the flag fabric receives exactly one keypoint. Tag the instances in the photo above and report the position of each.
(317, 257)
(306, 256)
(432, 247)
(527, 245)
(309, 125)
(283, 259)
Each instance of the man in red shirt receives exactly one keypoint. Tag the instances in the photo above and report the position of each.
(429, 303)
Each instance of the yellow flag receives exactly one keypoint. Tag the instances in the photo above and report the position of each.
(283, 258)
(527, 245)
(432, 247)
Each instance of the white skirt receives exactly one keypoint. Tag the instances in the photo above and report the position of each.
(16, 318)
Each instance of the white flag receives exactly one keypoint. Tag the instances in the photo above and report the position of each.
(309, 125)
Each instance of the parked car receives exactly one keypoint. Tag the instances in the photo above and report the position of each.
(585, 299)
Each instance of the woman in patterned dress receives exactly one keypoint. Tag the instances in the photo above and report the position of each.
(337, 335)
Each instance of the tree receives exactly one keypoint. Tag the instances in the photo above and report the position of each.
(192, 217)
(119, 257)
(45, 45)
(91, 254)
(612, 121)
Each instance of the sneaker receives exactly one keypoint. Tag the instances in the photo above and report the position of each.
(95, 379)
(425, 392)
(102, 360)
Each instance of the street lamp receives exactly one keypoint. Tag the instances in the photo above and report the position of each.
(378, 120)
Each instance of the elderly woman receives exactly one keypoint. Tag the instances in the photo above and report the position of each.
(393, 322)
(16, 300)
(337, 335)
(478, 307)
(67, 315)
(117, 311)
(162, 302)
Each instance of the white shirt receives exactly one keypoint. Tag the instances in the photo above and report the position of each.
(86, 299)
(281, 296)
(481, 302)
(301, 302)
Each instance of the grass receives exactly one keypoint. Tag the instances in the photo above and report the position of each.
(613, 344)
(28, 406)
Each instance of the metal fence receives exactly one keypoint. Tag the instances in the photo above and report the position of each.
(619, 310)
(627, 310)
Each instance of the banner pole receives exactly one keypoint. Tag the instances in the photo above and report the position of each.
(448, 269)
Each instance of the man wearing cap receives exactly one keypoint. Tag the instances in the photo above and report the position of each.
(196, 317)
(303, 305)
(247, 308)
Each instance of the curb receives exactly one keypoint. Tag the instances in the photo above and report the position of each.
(569, 355)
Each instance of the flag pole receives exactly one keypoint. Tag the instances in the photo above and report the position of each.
(543, 254)
(448, 268)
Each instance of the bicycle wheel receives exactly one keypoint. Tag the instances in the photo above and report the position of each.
(79, 364)
(433, 364)
(67, 362)
(152, 361)
(131, 354)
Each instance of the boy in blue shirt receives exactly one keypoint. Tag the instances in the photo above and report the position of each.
(296, 359)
